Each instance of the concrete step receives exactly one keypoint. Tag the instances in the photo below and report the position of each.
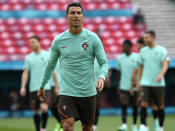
(160, 16)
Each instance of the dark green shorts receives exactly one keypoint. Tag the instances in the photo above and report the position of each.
(80, 108)
(153, 95)
(34, 101)
(127, 98)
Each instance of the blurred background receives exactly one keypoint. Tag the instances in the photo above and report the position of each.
(113, 20)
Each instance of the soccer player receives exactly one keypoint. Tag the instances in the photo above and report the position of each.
(153, 65)
(34, 65)
(76, 48)
(125, 65)
(140, 45)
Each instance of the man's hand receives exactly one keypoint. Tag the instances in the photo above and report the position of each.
(41, 94)
(56, 89)
(131, 91)
(100, 84)
(159, 77)
(23, 92)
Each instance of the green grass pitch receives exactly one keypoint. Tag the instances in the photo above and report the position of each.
(106, 123)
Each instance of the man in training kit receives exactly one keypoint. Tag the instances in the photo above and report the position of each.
(140, 45)
(128, 96)
(153, 61)
(55, 98)
(34, 65)
(76, 48)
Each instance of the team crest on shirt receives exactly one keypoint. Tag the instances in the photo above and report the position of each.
(85, 46)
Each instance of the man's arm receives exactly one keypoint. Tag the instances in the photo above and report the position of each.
(49, 68)
(163, 71)
(24, 80)
(140, 70)
(108, 81)
(102, 60)
(133, 81)
(56, 83)
(54, 54)
(134, 78)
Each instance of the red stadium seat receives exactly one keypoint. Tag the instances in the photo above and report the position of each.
(46, 42)
(61, 21)
(15, 33)
(98, 20)
(5, 35)
(23, 21)
(38, 28)
(103, 6)
(11, 21)
(3, 28)
(7, 42)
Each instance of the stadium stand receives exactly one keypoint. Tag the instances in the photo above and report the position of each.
(160, 17)
(15, 30)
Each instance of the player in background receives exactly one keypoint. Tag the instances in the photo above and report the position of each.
(34, 66)
(128, 96)
(98, 96)
(140, 45)
(76, 47)
(153, 61)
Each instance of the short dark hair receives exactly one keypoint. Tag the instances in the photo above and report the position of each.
(73, 4)
(140, 41)
(35, 37)
(152, 33)
(127, 42)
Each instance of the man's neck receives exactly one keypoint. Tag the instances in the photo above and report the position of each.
(37, 51)
(75, 30)
(152, 45)
(128, 53)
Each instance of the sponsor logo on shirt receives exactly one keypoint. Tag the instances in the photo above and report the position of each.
(85, 46)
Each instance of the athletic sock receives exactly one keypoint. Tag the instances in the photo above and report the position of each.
(155, 113)
(37, 122)
(161, 115)
(44, 119)
(134, 115)
(94, 127)
(55, 113)
(124, 113)
(96, 117)
(143, 115)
